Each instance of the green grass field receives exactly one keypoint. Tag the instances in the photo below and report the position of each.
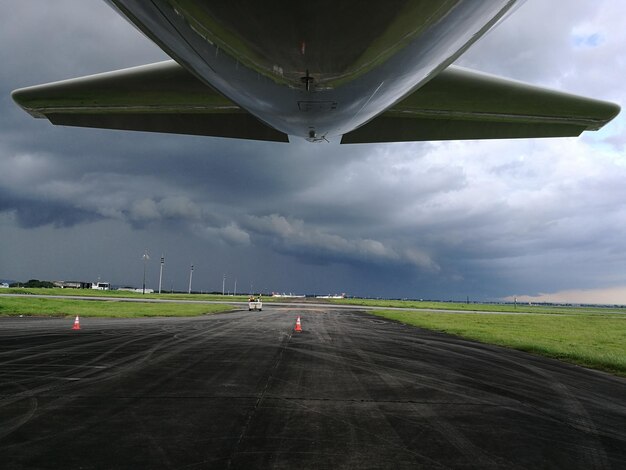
(93, 308)
(591, 340)
(365, 302)
(478, 307)
(120, 294)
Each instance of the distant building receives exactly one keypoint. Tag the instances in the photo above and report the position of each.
(4, 285)
(72, 284)
(137, 290)
(287, 296)
(336, 296)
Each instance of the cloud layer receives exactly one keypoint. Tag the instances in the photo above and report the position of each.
(430, 220)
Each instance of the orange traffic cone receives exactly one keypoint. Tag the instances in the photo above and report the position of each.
(298, 325)
(76, 324)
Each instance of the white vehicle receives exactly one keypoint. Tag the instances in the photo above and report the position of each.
(254, 303)
(101, 286)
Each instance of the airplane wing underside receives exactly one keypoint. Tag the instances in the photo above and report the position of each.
(460, 104)
(456, 104)
(161, 97)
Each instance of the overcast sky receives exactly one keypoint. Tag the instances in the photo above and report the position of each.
(538, 219)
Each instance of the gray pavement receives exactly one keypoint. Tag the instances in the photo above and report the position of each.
(242, 390)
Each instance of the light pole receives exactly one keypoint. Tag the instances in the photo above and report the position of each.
(161, 272)
(223, 283)
(235, 291)
(190, 277)
(145, 260)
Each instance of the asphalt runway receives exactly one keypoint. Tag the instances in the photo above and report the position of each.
(243, 390)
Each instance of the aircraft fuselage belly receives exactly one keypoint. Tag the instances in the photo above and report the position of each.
(314, 70)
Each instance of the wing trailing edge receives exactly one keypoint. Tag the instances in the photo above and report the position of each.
(460, 104)
(161, 97)
(457, 104)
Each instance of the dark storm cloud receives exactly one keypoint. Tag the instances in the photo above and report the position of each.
(35, 213)
(424, 220)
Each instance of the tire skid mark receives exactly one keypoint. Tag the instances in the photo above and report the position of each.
(79, 371)
(395, 443)
(125, 364)
(57, 350)
(438, 423)
(450, 388)
(576, 416)
(597, 458)
(142, 355)
(45, 345)
(174, 349)
(513, 400)
(441, 385)
(375, 434)
(9, 426)
(129, 364)
(285, 341)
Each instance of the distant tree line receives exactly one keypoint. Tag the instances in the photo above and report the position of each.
(33, 283)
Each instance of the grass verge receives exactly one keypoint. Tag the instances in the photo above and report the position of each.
(93, 308)
(519, 308)
(120, 294)
(420, 305)
(593, 340)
